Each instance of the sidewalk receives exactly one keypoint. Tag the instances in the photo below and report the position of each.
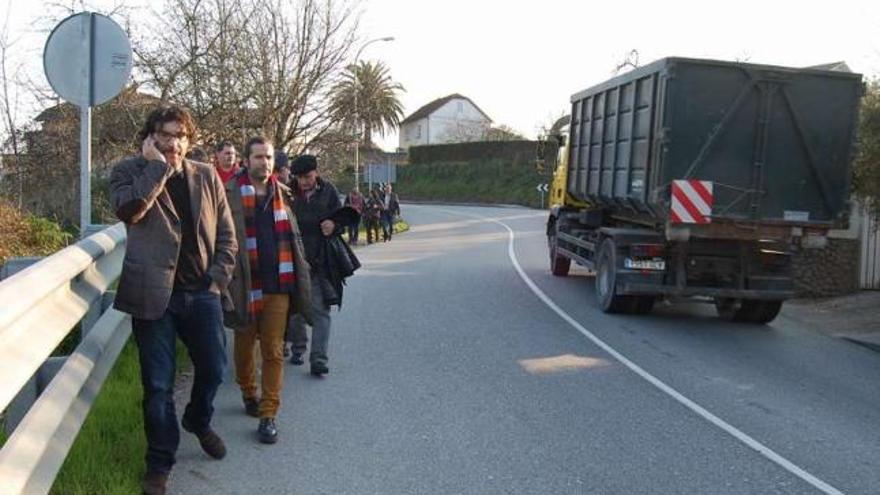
(855, 317)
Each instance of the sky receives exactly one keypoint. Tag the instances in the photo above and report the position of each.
(520, 62)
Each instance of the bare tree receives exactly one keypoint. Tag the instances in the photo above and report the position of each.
(10, 144)
(250, 66)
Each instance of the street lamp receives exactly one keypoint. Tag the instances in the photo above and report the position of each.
(357, 137)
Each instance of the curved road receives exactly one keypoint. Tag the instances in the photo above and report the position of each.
(450, 374)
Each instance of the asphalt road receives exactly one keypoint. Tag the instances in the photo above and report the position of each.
(450, 374)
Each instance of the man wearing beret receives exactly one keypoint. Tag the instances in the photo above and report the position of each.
(315, 199)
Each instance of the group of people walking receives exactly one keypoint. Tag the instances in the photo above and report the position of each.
(255, 245)
(379, 209)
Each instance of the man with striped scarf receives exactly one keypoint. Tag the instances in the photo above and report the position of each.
(271, 280)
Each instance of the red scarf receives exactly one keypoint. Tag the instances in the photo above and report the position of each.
(283, 234)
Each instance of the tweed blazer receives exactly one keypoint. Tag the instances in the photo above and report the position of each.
(139, 198)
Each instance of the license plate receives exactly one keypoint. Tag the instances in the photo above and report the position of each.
(644, 264)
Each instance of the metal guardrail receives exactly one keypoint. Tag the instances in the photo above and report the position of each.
(40, 306)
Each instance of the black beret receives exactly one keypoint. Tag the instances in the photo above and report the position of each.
(303, 164)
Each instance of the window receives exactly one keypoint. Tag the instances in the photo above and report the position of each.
(419, 131)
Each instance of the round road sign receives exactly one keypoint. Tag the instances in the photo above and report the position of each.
(87, 59)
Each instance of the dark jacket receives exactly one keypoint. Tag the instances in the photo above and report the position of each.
(236, 315)
(338, 262)
(139, 198)
(393, 205)
(323, 202)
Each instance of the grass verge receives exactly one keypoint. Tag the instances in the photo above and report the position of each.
(108, 454)
(400, 227)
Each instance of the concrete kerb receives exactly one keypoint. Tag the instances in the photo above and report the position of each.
(854, 317)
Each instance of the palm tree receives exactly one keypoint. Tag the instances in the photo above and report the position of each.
(378, 106)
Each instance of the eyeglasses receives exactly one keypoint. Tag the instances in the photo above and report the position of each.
(167, 135)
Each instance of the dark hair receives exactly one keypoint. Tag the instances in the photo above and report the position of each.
(197, 154)
(222, 144)
(168, 113)
(254, 141)
(282, 160)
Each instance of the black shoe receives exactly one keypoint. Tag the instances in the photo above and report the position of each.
(319, 369)
(211, 443)
(251, 406)
(155, 483)
(296, 359)
(267, 432)
(287, 351)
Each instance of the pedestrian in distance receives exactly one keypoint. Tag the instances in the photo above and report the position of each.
(282, 167)
(197, 155)
(315, 200)
(356, 200)
(373, 216)
(390, 211)
(179, 258)
(270, 281)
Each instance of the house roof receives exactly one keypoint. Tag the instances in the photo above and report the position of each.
(435, 105)
(835, 66)
(69, 110)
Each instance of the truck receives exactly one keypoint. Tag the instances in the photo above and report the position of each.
(690, 178)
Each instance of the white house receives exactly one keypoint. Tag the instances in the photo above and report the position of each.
(451, 119)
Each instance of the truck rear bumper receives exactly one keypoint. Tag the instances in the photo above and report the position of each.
(635, 288)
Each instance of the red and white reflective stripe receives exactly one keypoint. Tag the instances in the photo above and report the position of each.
(691, 201)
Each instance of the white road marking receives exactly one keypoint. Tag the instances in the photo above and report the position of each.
(693, 406)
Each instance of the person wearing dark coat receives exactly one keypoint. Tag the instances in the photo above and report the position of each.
(372, 216)
(390, 210)
(315, 199)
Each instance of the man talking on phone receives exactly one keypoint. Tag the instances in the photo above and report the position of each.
(178, 260)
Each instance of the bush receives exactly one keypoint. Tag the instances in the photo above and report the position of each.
(518, 152)
(496, 181)
(28, 235)
(866, 168)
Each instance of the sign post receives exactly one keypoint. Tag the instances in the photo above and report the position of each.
(87, 60)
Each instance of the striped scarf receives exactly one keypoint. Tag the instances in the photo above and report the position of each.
(283, 235)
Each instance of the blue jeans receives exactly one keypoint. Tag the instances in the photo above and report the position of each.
(320, 330)
(196, 318)
(387, 221)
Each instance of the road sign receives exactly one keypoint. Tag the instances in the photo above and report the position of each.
(381, 173)
(543, 189)
(87, 60)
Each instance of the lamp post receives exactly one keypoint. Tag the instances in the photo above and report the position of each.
(357, 126)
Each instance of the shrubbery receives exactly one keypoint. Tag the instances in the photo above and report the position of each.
(28, 235)
(479, 181)
(866, 176)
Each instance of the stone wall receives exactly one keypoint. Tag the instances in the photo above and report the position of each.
(829, 271)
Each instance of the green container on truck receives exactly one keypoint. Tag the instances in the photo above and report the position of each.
(701, 178)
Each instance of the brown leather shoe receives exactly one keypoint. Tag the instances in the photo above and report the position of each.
(211, 443)
(155, 483)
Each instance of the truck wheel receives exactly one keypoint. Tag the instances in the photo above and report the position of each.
(747, 310)
(764, 311)
(606, 281)
(559, 265)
